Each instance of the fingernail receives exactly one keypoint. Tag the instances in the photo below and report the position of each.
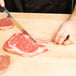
(2, 5)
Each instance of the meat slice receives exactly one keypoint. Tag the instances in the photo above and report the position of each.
(4, 62)
(5, 24)
(23, 45)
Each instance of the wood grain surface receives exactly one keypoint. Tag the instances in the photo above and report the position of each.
(60, 60)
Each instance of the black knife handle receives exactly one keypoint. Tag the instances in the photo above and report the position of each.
(5, 11)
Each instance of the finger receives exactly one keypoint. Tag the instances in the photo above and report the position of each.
(2, 3)
(62, 37)
(67, 42)
(58, 35)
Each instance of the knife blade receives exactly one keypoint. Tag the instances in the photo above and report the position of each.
(7, 13)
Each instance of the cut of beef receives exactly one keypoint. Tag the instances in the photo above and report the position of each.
(23, 45)
(4, 62)
(5, 24)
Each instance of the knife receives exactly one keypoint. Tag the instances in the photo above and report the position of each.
(7, 13)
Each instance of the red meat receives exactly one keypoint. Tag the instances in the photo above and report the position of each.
(4, 62)
(5, 23)
(23, 45)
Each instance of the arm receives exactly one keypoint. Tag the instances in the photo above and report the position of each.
(67, 29)
(74, 12)
(2, 3)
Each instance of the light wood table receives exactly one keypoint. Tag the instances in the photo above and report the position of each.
(60, 60)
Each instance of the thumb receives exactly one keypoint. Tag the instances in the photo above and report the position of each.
(2, 3)
(67, 42)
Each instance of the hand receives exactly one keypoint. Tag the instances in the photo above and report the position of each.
(2, 3)
(68, 29)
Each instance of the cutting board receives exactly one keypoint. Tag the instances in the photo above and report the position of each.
(60, 60)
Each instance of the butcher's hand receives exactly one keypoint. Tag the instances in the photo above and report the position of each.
(2, 3)
(68, 29)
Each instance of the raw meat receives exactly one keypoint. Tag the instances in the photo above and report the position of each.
(23, 45)
(4, 62)
(5, 24)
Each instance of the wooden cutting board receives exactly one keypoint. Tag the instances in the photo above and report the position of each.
(58, 61)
